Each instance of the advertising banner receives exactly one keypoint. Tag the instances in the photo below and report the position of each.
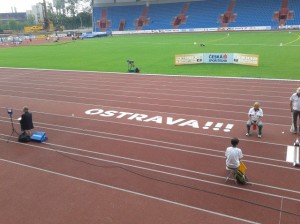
(224, 58)
(246, 59)
(217, 58)
(183, 59)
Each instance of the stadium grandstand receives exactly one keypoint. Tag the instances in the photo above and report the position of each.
(209, 15)
(5, 18)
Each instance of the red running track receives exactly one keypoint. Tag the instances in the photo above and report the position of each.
(134, 148)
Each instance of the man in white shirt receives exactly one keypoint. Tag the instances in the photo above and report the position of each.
(295, 108)
(233, 155)
(255, 115)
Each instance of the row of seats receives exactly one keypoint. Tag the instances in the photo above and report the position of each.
(200, 14)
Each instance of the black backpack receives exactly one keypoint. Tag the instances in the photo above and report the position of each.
(24, 138)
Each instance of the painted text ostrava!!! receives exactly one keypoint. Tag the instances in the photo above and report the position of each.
(143, 117)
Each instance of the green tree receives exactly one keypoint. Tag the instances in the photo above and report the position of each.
(71, 14)
(60, 7)
(85, 19)
(31, 20)
(71, 7)
(13, 25)
(1, 26)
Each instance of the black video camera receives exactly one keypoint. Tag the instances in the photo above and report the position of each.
(10, 111)
(130, 62)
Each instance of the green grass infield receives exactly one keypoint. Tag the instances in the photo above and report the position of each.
(279, 54)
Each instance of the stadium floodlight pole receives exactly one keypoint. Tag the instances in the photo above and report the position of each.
(92, 7)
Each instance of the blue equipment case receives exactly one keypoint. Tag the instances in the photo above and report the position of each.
(39, 136)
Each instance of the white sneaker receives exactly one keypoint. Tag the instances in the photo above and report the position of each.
(259, 136)
(247, 134)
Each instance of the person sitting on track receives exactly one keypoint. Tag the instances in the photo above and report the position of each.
(255, 115)
(26, 121)
(295, 109)
(233, 155)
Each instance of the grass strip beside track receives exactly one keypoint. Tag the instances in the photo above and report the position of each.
(154, 54)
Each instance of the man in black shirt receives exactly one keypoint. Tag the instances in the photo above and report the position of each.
(26, 121)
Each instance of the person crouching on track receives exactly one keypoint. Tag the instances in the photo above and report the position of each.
(26, 121)
(255, 115)
(233, 155)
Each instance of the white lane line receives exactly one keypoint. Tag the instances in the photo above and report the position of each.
(167, 173)
(159, 75)
(127, 191)
(136, 140)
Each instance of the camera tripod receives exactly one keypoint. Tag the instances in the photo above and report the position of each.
(13, 130)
